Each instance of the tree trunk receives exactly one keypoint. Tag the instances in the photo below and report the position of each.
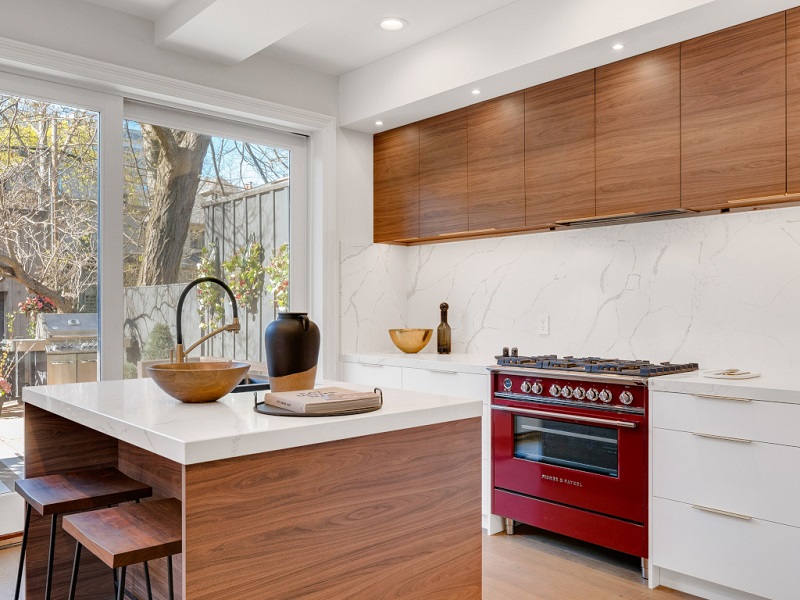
(11, 268)
(178, 158)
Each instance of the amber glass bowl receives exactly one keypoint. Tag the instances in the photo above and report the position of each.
(410, 341)
(198, 381)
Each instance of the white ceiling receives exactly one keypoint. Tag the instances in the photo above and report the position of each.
(334, 37)
(449, 48)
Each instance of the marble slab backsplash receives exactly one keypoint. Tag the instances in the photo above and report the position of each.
(721, 290)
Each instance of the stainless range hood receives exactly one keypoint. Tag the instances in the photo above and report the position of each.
(622, 218)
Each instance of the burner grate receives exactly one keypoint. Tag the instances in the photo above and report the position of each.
(595, 364)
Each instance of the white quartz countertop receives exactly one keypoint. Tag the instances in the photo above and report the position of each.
(769, 387)
(459, 363)
(137, 411)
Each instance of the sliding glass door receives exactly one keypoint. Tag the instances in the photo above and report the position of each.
(49, 206)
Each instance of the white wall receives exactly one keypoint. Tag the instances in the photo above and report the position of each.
(95, 32)
(720, 290)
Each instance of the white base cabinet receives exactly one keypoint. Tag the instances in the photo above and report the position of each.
(725, 496)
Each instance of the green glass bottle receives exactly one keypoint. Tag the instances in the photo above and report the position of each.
(443, 344)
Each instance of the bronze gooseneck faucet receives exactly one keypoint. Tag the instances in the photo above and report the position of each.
(180, 353)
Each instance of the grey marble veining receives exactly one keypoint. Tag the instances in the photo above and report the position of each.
(722, 290)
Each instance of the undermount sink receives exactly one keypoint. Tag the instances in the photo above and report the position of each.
(204, 381)
(252, 383)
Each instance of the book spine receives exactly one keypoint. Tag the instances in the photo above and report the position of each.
(288, 404)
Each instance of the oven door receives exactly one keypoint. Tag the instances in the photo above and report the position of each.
(577, 457)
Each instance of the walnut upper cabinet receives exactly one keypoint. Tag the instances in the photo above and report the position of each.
(793, 100)
(733, 105)
(559, 150)
(496, 163)
(638, 134)
(443, 174)
(396, 184)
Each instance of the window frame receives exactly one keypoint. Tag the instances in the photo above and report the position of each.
(112, 109)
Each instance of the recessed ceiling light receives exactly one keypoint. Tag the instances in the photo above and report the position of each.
(378, 123)
(392, 24)
(475, 92)
(617, 46)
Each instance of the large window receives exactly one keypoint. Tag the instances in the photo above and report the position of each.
(200, 204)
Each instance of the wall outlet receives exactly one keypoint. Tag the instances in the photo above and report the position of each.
(543, 324)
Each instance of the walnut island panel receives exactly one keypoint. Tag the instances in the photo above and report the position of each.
(383, 504)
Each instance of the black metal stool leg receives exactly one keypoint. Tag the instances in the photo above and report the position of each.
(169, 578)
(48, 584)
(22, 550)
(147, 581)
(74, 581)
(121, 590)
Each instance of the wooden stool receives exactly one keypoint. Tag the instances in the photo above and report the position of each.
(126, 535)
(68, 492)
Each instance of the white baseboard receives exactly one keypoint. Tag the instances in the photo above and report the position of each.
(700, 587)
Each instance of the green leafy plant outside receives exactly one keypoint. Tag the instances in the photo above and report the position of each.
(246, 272)
(278, 274)
(159, 343)
(209, 296)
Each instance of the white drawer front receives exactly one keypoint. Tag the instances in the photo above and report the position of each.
(774, 422)
(378, 375)
(756, 479)
(443, 381)
(754, 556)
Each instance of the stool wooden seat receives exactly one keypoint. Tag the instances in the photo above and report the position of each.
(126, 535)
(52, 495)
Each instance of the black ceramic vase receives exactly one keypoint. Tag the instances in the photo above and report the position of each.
(292, 345)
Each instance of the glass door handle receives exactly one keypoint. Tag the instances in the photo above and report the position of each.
(564, 417)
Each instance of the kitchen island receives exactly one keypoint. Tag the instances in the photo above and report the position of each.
(383, 504)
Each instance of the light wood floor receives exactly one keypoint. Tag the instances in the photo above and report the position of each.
(536, 565)
(530, 565)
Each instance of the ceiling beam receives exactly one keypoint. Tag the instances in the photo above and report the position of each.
(229, 31)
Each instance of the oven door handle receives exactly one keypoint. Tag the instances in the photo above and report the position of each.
(578, 418)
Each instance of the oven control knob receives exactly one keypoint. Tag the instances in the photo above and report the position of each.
(526, 387)
(537, 388)
(555, 390)
(507, 384)
(566, 391)
(591, 394)
(626, 397)
(579, 393)
(605, 396)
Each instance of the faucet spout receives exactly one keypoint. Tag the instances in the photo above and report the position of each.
(180, 353)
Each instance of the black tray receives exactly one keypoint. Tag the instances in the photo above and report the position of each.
(275, 411)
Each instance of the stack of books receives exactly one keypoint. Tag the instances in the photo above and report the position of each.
(325, 401)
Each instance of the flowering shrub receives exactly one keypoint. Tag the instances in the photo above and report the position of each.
(246, 275)
(278, 273)
(32, 306)
(5, 387)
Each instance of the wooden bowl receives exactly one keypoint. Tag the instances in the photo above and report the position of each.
(411, 341)
(198, 381)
